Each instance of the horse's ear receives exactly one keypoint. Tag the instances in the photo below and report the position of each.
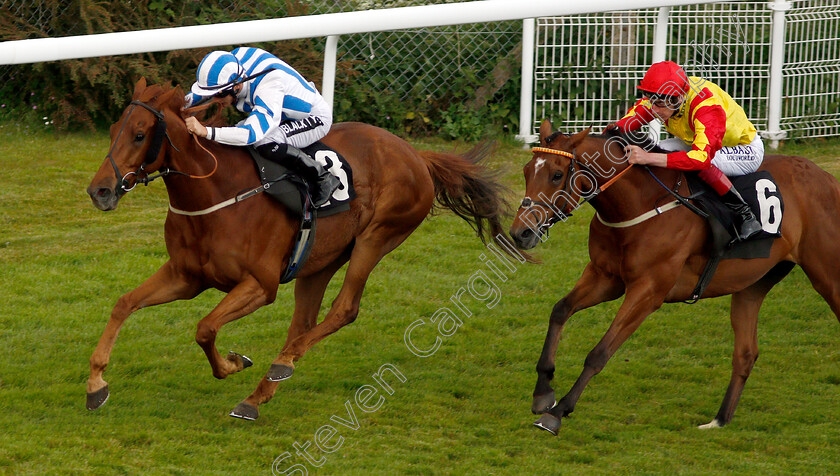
(578, 138)
(139, 87)
(545, 130)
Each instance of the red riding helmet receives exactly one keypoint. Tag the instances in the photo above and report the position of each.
(665, 78)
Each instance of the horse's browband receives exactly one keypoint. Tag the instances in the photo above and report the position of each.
(552, 151)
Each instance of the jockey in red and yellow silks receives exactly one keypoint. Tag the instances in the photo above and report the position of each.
(708, 119)
(713, 134)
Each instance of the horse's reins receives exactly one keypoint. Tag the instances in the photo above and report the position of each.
(151, 155)
(160, 132)
(680, 200)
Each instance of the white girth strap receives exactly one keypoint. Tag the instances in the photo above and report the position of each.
(212, 209)
(219, 206)
(641, 218)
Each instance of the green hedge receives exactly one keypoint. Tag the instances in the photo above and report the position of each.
(90, 93)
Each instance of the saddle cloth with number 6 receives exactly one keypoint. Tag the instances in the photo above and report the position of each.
(764, 198)
(288, 188)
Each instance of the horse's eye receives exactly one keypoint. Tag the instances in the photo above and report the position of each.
(557, 177)
(139, 137)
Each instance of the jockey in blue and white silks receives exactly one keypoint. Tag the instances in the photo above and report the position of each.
(273, 101)
(285, 111)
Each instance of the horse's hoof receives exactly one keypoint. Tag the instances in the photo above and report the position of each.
(98, 398)
(246, 362)
(245, 411)
(543, 403)
(549, 423)
(712, 424)
(278, 372)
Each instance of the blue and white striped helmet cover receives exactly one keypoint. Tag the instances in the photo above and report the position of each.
(218, 71)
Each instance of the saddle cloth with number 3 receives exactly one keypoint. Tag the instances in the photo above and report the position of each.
(288, 188)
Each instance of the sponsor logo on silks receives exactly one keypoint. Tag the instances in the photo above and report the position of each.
(296, 127)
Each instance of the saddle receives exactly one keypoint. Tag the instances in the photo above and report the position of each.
(764, 198)
(292, 192)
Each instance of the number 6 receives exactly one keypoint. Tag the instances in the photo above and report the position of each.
(770, 206)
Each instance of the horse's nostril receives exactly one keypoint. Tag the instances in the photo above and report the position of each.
(103, 192)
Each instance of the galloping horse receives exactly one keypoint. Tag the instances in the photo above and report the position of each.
(660, 259)
(244, 248)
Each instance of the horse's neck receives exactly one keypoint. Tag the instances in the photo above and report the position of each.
(233, 173)
(634, 194)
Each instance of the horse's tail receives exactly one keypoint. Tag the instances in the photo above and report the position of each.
(469, 190)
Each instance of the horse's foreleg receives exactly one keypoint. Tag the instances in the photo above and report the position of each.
(744, 317)
(164, 286)
(593, 287)
(366, 254)
(640, 302)
(309, 293)
(245, 298)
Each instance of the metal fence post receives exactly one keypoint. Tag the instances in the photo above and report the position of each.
(526, 98)
(660, 44)
(328, 78)
(777, 58)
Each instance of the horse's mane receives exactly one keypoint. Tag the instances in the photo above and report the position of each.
(644, 141)
(152, 93)
(176, 102)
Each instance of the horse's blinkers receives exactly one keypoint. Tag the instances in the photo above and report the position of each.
(157, 135)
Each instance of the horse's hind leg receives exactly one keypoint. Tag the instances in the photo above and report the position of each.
(592, 288)
(824, 274)
(164, 286)
(744, 317)
(245, 298)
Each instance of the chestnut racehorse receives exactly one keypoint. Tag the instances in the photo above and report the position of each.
(659, 260)
(243, 249)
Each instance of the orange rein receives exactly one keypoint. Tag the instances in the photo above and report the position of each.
(572, 156)
(191, 112)
(215, 162)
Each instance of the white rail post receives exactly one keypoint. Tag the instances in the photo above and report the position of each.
(328, 78)
(526, 97)
(660, 44)
(777, 59)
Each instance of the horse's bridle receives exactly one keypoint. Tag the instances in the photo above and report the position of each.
(151, 154)
(528, 202)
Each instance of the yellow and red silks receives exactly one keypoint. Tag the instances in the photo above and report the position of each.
(708, 119)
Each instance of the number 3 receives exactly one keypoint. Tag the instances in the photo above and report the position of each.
(329, 160)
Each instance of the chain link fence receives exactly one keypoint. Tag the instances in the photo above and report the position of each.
(416, 70)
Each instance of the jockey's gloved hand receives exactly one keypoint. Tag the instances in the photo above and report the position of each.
(612, 130)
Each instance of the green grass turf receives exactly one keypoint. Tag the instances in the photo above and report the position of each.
(463, 410)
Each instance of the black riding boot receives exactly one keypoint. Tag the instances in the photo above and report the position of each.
(745, 223)
(321, 183)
